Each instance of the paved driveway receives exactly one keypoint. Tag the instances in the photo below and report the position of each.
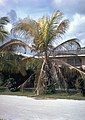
(25, 108)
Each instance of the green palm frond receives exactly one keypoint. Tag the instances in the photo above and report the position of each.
(3, 33)
(4, 20)
(52, 27)
(57, 27)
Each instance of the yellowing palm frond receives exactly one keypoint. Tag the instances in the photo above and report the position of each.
(28, 25)
(41, 22)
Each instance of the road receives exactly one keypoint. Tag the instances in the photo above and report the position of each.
(25, 108)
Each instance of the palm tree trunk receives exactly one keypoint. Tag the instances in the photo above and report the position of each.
(46, 57)
(39, 79)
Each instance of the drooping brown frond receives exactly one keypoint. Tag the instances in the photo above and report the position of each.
(8, 45)
(72, 67)
(28, 25)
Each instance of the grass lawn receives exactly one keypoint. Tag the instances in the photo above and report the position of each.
(61, 95)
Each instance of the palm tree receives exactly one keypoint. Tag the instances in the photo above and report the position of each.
(43, 33)
(9, 61)
(3, 33)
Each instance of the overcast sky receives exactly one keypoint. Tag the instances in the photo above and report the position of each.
(74, 10)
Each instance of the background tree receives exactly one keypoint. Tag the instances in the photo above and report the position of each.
(9, 61)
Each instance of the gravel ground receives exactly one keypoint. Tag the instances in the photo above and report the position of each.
(25, 108)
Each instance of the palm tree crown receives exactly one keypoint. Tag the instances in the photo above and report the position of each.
(45, 30)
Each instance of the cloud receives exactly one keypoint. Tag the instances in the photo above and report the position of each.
(74, 10)
(3, 7)
(26, 8)
(8, 27)
(77, 24)
(76, 28)
(71, 6)
(2, 2)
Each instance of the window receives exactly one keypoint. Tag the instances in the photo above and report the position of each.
(74, 61)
